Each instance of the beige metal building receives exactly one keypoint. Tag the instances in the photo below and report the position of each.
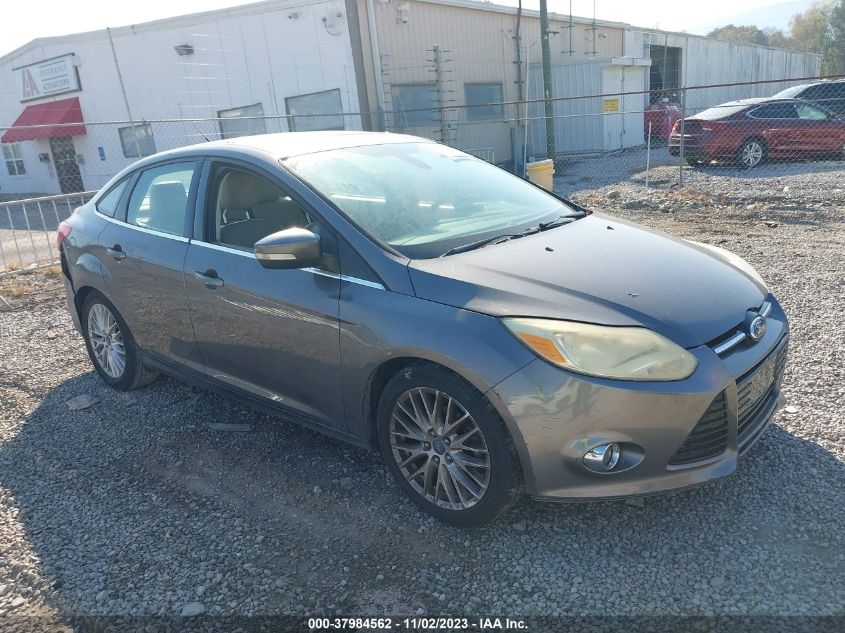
(455, 53)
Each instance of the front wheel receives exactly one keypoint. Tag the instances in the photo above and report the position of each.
(111, 347)
(750, 154)
(446, 447)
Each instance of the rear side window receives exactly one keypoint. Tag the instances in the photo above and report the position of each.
(107, 205)
(160, 199)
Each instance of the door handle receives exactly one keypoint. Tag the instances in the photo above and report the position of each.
(116, 252)
(209, 278)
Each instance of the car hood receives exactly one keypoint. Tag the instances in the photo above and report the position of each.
(597, 270)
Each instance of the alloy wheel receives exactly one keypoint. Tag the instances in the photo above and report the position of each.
(439, 448)
(106, 341)
(752, 154)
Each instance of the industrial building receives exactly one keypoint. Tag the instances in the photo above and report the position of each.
(75, 109)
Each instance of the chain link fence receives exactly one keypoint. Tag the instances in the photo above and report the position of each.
(600, 139)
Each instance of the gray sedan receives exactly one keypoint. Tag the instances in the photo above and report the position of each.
(489, 338)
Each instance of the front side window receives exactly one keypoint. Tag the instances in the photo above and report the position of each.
(243, 121)
(247, 208)
(412, 104)
(484, 101)
(160, 199)
(422, 199)
(107, 205)
(316, 111)
(137, 140)
(810, 112)
(14, 159)
(775, 111)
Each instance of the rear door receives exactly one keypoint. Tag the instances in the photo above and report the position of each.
(273, 334)
(143, 250)
(776, 123)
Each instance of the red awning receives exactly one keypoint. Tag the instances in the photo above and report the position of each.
(57, 118)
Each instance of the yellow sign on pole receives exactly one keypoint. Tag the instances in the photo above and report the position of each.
(610, 105)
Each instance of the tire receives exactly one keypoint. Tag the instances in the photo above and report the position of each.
(693, 163)
(750, 154)
(488, 491)
(99, 315)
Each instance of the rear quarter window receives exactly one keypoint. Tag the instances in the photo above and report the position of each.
(107, 205)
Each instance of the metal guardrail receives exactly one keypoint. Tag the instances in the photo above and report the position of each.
(28, 229)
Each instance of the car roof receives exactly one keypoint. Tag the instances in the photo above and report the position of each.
(755, 101)
(286, 144)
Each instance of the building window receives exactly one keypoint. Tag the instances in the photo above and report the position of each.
(14, 159)
(412, 104)
(243, 121)
(315, 111)
(479, 97)
(137, 140)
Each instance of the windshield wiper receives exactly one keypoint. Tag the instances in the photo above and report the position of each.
(496, 239)
(560, 221)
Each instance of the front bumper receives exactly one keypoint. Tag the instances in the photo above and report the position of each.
(556, 416)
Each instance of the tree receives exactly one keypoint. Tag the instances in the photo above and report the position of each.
(833, 61)
(808, 31)
(777, 38)
(740, 34)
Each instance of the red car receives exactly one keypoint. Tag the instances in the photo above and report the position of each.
(749, 131)
(662, 115)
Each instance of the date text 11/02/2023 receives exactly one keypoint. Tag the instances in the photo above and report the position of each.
(417, 624)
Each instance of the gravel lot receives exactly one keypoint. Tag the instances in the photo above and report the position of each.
(136, 506)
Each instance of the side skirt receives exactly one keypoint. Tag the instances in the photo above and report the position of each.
(204, 382)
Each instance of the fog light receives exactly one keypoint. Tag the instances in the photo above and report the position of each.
(603, 458)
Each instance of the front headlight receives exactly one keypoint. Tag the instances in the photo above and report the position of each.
(734, 260)
(620, 353)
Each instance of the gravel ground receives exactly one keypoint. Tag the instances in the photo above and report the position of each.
(137, 506)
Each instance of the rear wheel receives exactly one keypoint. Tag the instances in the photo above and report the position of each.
(751, 153)
(111, 347)
(446, 447)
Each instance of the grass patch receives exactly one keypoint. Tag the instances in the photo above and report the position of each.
(15, 290)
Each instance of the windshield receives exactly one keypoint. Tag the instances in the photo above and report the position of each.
(720, 111)
(423, 199)
(789, 93)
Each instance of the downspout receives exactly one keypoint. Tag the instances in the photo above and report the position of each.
(376, 55)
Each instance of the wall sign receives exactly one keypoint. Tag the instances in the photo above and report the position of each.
(53, 76)
(610, 105)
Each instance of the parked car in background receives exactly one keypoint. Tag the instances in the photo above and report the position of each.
(828, 93)
(749, 131)
(659, 117)
(489, 337)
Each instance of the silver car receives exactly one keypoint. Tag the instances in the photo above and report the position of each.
(489, 338)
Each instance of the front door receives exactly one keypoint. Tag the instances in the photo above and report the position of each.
(273, 334)
(142, 253)
(67, 169)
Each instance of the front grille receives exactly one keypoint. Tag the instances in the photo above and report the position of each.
(756, 397)
(709, 438)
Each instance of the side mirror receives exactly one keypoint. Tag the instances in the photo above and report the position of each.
(292, 248)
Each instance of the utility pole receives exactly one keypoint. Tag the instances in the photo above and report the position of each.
(547, 79)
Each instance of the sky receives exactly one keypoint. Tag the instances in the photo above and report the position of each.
(25, 21)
